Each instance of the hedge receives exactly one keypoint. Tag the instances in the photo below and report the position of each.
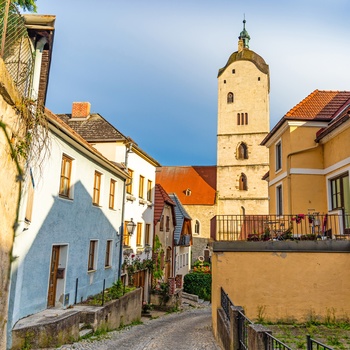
(198, 284)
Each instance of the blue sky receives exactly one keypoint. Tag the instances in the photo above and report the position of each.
(150, 67)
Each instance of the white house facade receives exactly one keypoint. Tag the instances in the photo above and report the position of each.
(67, 244)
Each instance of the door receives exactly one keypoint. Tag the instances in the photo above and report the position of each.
(55, 256)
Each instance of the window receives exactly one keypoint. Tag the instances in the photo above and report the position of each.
(233, 71)
(243, 183)
(279, 200)
(340, 192)
(139, 234)
(108, 257)
(230, 97)
(167, 225)
(149, 190)
(141, 186)
(126, 237)
(197, 227)
(242, 118)
(242, 151)
(278, 151)
(92, 255)
(66, 170)
(129, 186)
(111, 194)
(97, 188)
(161, 226)
(30, 198)
(147, 233)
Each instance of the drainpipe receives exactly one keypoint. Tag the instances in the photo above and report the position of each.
(37, 67)
(289, 160)
(121, 235)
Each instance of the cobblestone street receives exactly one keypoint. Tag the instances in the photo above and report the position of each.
(187, 330)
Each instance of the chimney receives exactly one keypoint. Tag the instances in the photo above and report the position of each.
(81, 109)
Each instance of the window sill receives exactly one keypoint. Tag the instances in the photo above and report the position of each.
(142, 201)
(91, 271)
(130, 197)
(70, 199)
(108, 267)
(96, 205)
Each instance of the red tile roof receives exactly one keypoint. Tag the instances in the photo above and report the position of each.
(199, 180)
(161, 198)
(318, 106)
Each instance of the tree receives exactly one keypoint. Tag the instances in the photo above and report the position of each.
(26, 5)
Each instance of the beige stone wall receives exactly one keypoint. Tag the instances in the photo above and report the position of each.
(250, 87)
(281, 285)
(9, 193)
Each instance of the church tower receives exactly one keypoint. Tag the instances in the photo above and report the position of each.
(243, 122)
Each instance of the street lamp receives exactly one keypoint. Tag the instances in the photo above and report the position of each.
(130, 226)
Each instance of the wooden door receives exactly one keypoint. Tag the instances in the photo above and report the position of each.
(55, 256)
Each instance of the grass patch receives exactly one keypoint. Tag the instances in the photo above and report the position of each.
(332, 334)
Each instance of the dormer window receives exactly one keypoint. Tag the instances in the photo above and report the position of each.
(188, 192)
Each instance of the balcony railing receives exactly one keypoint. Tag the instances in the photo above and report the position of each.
(16, 47)
(283, 227)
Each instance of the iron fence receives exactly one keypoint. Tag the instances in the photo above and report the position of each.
(243, 324)
(273, 343)
(16, 47)
(309, 226)
(226, 303)
(314, 344)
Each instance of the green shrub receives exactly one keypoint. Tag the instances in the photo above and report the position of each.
(198, 284)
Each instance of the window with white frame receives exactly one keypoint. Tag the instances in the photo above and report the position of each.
(279, 200)
(92, 255)
(278, 155)
(108, 256)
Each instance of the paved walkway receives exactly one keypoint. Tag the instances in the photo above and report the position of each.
(189, 329)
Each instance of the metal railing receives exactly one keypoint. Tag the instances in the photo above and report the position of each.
(226, 303)
(243, 324)
(272, 227)
(16, 47)
(273, 343)
(314, 344)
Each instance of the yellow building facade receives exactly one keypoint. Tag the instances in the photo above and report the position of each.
(309, 151)
(243, 121)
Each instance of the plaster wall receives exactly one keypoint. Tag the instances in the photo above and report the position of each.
(281, 285)
(10, 187)
(70, 224)
(250, 88)
(136, 208)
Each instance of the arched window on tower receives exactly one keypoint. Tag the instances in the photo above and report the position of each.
(197, 227)
(243, 183)
(230, 97)
(242, 151)
(238, 118)
(246, 118)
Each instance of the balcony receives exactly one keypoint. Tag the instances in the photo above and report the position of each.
(278, 228)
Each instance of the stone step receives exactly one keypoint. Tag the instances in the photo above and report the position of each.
(81, 325)
(85, 332)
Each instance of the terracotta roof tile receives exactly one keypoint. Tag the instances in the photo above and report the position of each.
(94, 128)
(320, 105)
(160, 199)
(199, 180)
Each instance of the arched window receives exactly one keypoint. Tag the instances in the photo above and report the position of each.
(242, 151)
(197, 227)
(230, 97)
(243, 185)
(238, 119)
(246, 118)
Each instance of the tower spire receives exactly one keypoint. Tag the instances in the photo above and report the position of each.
(244, 38)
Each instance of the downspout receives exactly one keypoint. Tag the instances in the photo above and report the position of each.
(37, 67)
(121, 235)
(289, 156)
